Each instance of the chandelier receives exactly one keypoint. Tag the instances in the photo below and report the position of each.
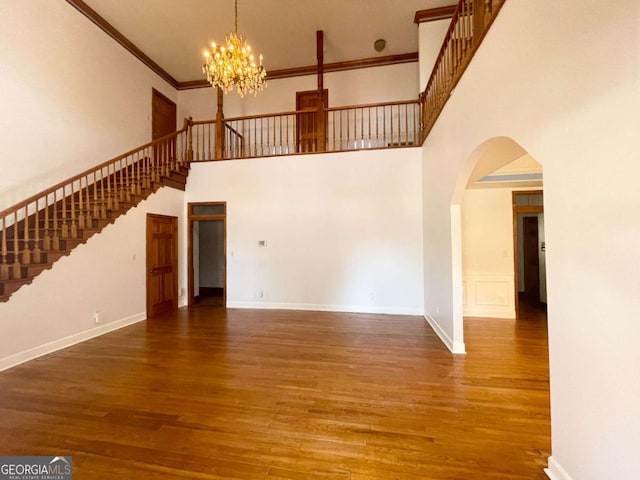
(234, 65)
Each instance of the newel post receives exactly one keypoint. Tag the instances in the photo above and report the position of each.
(188, 124)
(320, 114)
(478, 20)
(220, 140)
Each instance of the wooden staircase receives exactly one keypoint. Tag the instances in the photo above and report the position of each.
(37, 232)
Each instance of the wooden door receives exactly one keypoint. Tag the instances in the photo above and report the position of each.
(531, 259)
(311, 134)
(163, 122)
(163, 115)
(162, 264)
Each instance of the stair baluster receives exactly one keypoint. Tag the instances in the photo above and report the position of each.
(16, 272)
(74, 220)
(65, 228)
(36, 254)
(4, 267)
(103, 205)
(125, 185)
(55, 240)
(46, 239)
(81, 219)
(26, 253)
(88, 219)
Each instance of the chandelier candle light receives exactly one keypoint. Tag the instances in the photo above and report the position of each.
(234, 64)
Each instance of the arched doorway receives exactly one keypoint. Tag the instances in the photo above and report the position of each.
(485, 229)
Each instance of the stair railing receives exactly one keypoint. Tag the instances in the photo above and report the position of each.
(45, 226)
(469, 24)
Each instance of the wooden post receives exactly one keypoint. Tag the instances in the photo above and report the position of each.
(478, 21)
(4, 267)
(320, 117)
(190, 139)
(220, 127)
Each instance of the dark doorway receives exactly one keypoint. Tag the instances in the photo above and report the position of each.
(531, 263)
(162, 264)
(207, 254)
(529, 246)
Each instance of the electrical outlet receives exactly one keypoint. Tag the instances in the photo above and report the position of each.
(261, 294)
(97, 317)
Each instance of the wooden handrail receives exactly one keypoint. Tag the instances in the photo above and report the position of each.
(89, 171)
(304, 112)
(469, 25)
(229, 127)
(40, 229)
(348, 127)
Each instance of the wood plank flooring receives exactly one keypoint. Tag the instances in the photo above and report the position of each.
(209, 393)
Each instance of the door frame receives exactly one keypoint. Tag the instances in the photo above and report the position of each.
(518, 209)
(174, 221)
(191, 219)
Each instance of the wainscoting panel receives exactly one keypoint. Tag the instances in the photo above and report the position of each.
(488, 295)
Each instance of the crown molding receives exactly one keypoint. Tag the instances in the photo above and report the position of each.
(110, 30)
(440, 13)
(128, 45)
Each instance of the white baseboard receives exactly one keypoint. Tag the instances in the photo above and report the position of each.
(326, 308)
(555, 471)
(454, 347)
(33, 353)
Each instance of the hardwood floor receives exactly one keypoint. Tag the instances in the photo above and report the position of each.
(209, 393)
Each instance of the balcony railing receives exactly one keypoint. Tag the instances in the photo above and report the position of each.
(338, 129)
(358, 127)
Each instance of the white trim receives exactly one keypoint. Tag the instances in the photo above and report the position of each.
(454, 347)
(326, 308)
(33, 353)
(555, 471)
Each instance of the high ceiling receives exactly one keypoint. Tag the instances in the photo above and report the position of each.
(174, 33)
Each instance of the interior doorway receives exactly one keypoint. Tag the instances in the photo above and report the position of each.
(207, 254)
(530, 249)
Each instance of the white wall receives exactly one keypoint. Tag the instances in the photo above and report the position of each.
(350, 87)
(430, 38)
(106, 275)
(487, 253)
(71, 97)
(343, 231)
(568, 90)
